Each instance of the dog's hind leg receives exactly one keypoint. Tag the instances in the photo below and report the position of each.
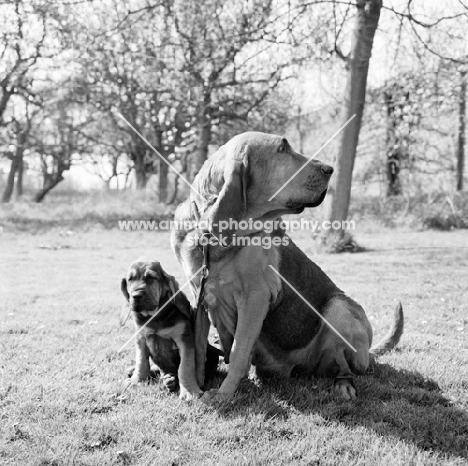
(344, 382)
(343, 343)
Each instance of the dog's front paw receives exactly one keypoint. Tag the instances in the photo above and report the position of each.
(138, 378)
(344, 389)
(171, 382)
(186, 395)
(154, 371)
(135, 382)
(214, 396)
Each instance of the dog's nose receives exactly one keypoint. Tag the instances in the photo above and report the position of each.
(138, 294)
(327, 169)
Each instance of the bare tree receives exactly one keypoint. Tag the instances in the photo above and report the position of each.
(232, 63)
(403, 101)
(366, 22)
(55, 142)
(177, 72)
(20, 49)
(395, 154)
(461, 142)
(129, 72)
(20, 130)
(21, 46)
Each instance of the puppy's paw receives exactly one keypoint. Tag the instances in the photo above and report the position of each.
(344, 389)
(213, 396)
(133, 382)
(171, 382)
(186, 395)
(154, 371)
(137, 380)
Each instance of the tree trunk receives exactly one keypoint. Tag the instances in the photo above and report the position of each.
(48, 186)
(337, 202)
(6, 95)
(393, 174)
(127, 181)
(393, 159)
(163, 171)
(8, 191)
(140, 169)
(203, 135)
(163, 168)
(461, 132)
(173, 198)
(16, 169)
(19, 176)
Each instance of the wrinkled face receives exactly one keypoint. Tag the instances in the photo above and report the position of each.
(144, 286)
(282, 180)
(259, 176)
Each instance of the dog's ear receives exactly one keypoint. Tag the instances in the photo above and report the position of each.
(123, 287)
(232, 198)
(183, 304)
(180, 300)
(171, 283)
(125, 311)
(284, 146)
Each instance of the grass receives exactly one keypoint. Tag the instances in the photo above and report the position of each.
(62, 398)
(82, 210)
(439, 210)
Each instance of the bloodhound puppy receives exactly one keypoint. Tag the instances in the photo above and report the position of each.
(168, 338)
(259, 318)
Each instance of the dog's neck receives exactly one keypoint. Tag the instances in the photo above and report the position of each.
(196, 216)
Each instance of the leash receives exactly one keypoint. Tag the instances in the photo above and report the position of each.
(204, 274)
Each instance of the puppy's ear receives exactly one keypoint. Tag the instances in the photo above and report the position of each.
(171, 283)
(232, 198)
(183, 304)
(123, 287)
(125, 311)
(180, 300)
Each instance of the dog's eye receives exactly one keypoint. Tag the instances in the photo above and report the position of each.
(151, 275)
(130, 279)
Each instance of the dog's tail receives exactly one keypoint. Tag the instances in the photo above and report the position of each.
(393, 336)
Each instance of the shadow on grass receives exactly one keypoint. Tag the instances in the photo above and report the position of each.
(392, 402)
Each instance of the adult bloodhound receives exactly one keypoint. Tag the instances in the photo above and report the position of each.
(260, 319)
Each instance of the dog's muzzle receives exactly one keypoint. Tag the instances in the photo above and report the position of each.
(297, 207)
(141, 305)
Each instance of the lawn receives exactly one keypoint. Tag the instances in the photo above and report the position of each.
(62, 397)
